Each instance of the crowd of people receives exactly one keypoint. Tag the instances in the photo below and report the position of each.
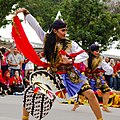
(12, 60)
(99, 73)
(14, 72)
(113, 80)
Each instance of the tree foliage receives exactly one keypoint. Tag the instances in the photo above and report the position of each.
(43, 10)
(88, 21)
(6, 7)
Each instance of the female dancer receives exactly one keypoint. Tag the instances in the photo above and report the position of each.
(95, 67)
(54, 42)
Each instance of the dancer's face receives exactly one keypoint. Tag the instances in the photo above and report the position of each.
(96, 53)
(60, 33)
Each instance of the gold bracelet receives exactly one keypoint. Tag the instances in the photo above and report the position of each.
(25, 117)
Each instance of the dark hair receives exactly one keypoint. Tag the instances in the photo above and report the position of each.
(92, 48)
(51, 40)
(90, 60)
(49, 46)
(3, 50)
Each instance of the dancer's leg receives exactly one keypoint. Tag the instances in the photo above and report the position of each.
(105, 101)
(94, 104)
(76, 104)
(25, 114)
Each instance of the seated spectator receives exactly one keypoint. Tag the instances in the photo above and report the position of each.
(17, 83)
(26, 81)
(5, 83)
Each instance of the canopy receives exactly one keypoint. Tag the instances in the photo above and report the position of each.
(112, 53)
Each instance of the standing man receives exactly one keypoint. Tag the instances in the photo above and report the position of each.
(107, 74)
(14, 62)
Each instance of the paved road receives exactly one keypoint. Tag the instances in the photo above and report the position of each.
(11, 109)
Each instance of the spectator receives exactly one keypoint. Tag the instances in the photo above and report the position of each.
(29, 66)
(117, 72)
(15, 62)
(41, 55)
(26, 81)
(17, 83)
(113, 79)
(6, 80)
(106, 74)
(4, 53)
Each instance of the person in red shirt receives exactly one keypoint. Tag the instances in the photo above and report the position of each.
(117, 66)
(4, 52)
(16, 83)
(117, 73)
(5, 83)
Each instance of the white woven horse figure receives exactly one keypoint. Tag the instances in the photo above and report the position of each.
(40, 95)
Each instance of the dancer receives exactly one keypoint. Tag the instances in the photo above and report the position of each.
(54, 42)
(95, 67)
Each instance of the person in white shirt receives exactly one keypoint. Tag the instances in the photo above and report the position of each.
(29, 67)
(15, 62)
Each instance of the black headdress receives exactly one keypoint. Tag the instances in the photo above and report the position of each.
(92, 48)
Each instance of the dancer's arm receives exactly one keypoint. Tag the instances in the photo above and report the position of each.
(107, 68)
(33, 23)
(81, 57)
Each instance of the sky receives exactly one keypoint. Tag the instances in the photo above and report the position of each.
(32, 36)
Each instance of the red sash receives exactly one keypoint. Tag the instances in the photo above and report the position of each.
(23, 43)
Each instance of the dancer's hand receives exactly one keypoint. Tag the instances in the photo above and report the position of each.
(23, 10)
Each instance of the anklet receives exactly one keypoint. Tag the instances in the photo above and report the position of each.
(100, 119)
(76, 103)
(25, 117)
(105, 106)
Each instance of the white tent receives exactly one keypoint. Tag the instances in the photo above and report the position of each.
(112, 53)
(31, 34)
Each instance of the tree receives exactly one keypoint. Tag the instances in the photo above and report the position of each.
(89, 22)
(43, 10)
(6, 7)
